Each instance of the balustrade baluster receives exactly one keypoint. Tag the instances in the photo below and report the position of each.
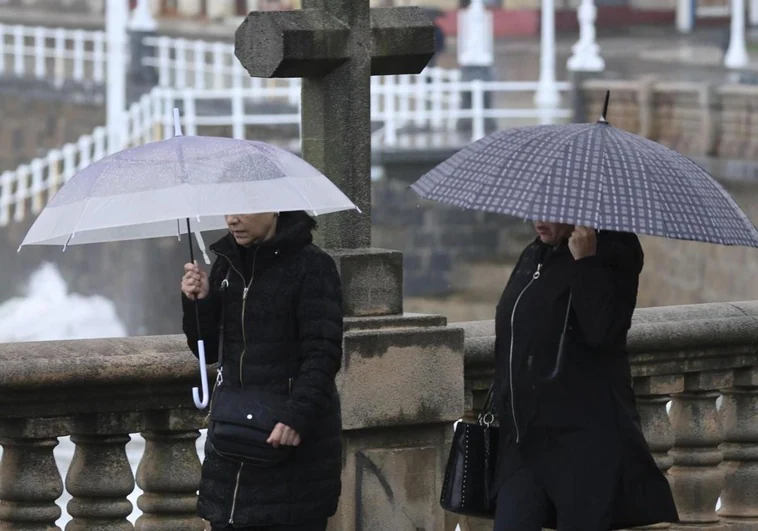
(169, 473)
(739, 500)
(696, 478)
(30, 483)
(99, 481)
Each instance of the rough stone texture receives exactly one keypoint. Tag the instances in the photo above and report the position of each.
(36, 119)
(421, 377)
(372, 281)
(336, 65)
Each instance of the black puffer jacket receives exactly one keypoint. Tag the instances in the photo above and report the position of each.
(591, 398)
(293, 309)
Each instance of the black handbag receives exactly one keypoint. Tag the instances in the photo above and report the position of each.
(241, 420)
(470, 468)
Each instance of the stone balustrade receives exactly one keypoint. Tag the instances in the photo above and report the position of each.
(100, 391)
(687, 356)
(703, 120)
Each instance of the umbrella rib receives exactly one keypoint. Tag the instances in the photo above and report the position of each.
(561, 144)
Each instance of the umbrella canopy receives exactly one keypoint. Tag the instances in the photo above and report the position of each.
(146, 191)
(143, 191)
(593, 175)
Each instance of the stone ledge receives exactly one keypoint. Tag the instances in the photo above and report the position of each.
(372, 281)
(666, 340)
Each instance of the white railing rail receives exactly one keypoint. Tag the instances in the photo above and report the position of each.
(397, 102)
(55, 54)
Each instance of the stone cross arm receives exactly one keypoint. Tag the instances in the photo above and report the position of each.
(310, 43)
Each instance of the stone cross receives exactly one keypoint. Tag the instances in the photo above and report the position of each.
(336, 46)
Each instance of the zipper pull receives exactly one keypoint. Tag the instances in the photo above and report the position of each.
(244, 293)
(537, 273)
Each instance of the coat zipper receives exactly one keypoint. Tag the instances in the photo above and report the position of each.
(236, 491)
(535, 276)
(242, 358)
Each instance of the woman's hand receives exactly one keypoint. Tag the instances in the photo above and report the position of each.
(195, 282)
(283, 436)
(583, 242)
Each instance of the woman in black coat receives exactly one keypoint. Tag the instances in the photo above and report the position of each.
(572, 454)
(282, 319)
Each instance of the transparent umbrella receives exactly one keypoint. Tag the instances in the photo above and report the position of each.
(157, 189)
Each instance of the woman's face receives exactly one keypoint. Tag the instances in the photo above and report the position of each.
(552, 233)
(250, 228)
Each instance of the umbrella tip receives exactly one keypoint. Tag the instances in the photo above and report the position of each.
(604, 116)
(177, 123)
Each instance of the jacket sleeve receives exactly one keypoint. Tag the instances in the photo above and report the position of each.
(210, 314)
(320, 329)
(604, 293)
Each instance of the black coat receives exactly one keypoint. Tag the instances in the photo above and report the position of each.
(293, 310)
(582, 426)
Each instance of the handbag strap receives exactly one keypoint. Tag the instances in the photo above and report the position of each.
(487, 416)
(220, 377)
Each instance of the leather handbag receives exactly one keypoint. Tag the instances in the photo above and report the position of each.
(241, 420)
(466, 489)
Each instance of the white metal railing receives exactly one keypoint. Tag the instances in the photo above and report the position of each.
(397, 102)
(54, 54)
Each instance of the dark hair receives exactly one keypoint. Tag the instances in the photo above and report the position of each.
(298, 217)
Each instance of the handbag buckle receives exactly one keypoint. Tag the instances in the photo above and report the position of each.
(487, 419)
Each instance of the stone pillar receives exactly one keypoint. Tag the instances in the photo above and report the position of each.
(116, 17)
(30, 483)
(739, 502)
(99, 481)
(404, 371)
(736, 54)
(169, 474)
(586, 52)
(685, 15)
(696, 478)
(476, 43)
(142, 26)
(653, 393)
(219, 9)
(547, 95)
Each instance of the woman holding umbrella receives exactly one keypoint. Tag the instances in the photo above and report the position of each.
(273, 303)
(572, 452)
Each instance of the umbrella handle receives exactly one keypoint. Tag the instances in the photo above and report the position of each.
(201, 403)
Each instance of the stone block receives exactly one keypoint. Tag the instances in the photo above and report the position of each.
(396, 377)
(372, 281)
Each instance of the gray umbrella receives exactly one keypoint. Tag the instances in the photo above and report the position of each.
(593, 175)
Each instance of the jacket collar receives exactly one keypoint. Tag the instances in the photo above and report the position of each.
(293, 232)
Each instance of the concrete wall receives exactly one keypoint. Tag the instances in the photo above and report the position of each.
(35, 118)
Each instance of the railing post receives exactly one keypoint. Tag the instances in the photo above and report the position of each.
(6, 197)
(696, 478)
(2, 48)
(59, 55)
(169, 473)
(22, 192)
(238, 113)
(37, 188)
(739, 502)
(99, 481)
(478, 110)
(30, 484)
(19, 51)
(39, 52)
(79, 55)
(54, 180)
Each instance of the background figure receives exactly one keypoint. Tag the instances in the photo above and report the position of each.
(282, 318)
(572, 452)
